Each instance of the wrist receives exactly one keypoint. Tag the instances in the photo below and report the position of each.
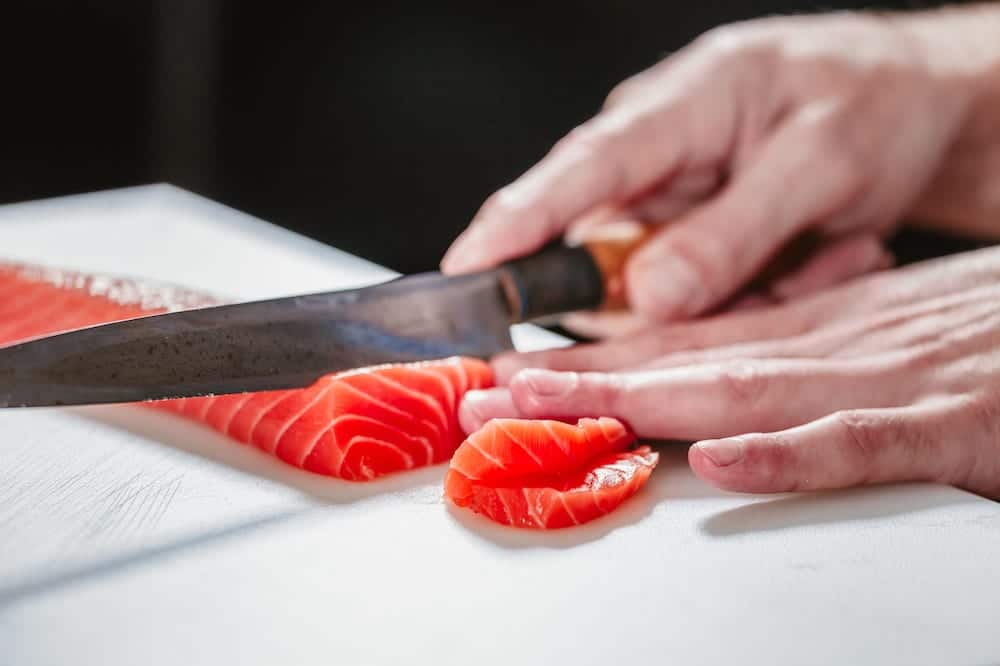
(960, 49)
(954, 40)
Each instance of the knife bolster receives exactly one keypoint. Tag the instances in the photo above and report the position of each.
(554, 281)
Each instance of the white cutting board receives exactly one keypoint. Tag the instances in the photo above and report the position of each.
(131, 537)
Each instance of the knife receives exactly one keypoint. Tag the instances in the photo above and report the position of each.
(291, 342)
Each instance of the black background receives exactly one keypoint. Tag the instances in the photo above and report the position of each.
(378, 128)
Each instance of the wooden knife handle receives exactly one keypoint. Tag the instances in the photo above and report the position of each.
(562, 278)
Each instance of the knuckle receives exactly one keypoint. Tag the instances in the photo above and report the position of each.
(591, 138)
(884, 446)
(983, 410)
(604, 390)
(724, 40)
(832, 135)
(988, 406)
(575, 136)
(620, 92)
(982, 467)
(599, 143)
(505, 202)
(744, 382)
(534, 217)
(838, 145)
(774, 455)
(822, 75)
(926, 357)
(864, 433)
(707, 257)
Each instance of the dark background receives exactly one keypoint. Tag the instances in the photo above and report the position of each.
(378, 127)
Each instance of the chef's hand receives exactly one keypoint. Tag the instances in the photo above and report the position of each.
(894, 376)
(758, 132)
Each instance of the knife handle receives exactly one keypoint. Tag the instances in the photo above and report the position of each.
(562, 278)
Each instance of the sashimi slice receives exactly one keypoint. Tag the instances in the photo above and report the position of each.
(547, 474)
(355, 425)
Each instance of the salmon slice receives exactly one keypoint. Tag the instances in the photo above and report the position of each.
(355, 425)
(547, 474)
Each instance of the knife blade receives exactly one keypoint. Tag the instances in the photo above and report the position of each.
(290, 342)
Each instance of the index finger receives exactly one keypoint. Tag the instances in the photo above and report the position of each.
(715, 399)
(609, 159)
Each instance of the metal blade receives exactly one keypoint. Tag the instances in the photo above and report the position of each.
(263, 345)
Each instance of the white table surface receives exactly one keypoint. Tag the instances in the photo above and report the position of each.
(131, 537)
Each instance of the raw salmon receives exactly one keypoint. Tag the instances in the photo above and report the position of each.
(355, 425)
(547, 474)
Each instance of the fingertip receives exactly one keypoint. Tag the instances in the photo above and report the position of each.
(701, 464)
(662, 287)
(736, 464)
(721, 452)
(480, 406)
(705, 467)
(476, 248)
(463, 257)
(450, 265)
(540, 392)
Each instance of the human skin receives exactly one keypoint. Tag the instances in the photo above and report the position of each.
(838, 125)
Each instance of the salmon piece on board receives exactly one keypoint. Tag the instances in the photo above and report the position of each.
(547, 474)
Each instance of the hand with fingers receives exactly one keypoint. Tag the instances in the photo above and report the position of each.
(836, 127)
(757, 132)
(895, 376)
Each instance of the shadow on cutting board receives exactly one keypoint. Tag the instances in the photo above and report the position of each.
(199, 440)
(194, 438)
(828, 507)
(46, 581)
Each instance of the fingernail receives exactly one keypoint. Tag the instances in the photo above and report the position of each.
(722, 452)
(472, 403)
(475, 397)
(478, 407)
(668, 287)
(470, 417)
(548, 383)
(506, 365)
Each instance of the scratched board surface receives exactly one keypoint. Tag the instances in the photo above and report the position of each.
(128, 536)
(86, 487)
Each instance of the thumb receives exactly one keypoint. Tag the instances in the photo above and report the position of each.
(709, 254)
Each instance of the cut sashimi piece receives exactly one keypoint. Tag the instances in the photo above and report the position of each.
(598, 490)
(355, 425)
(547, 474)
